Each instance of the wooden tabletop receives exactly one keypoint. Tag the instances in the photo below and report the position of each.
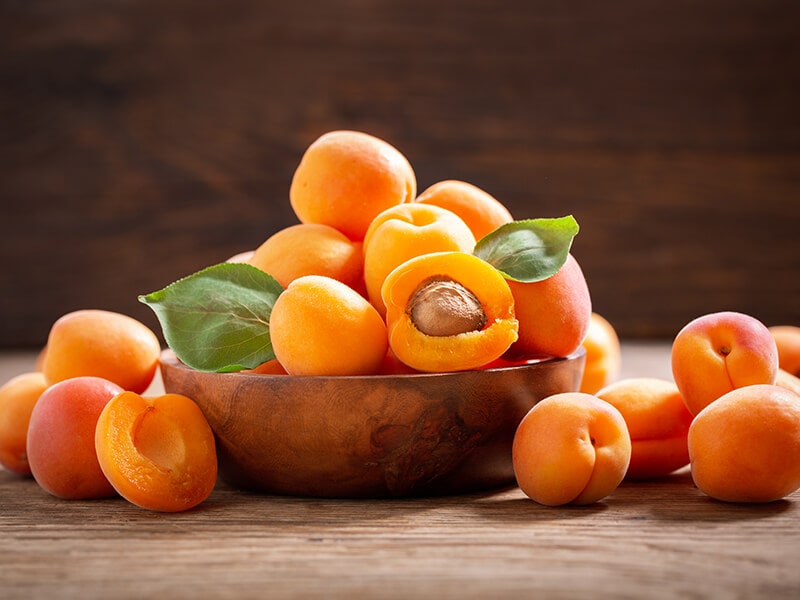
(655, 539)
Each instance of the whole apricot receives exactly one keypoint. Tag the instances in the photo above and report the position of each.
(407, 231)
(787, 339)
(345, 178)
(320, 326)
(603, 355)
(658, 422)
(103, 344)
(571, 448)
(482, 212)
(718, 352)
(60, 443)
(158, 453)
(17, 399)
(554, 313)
(788, 381)
(745, 446)
(310, 249)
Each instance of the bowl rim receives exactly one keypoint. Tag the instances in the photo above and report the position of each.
(169, 358)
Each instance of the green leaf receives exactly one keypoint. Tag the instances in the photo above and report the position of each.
(529, 250)
(218, 318)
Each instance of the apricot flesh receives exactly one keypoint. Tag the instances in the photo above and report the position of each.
(571, 448)
(158, 453)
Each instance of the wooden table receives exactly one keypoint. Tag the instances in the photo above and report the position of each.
(656, 539)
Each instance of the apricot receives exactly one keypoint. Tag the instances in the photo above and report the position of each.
(241, 257)
(788, 381)
(553, 313)
(60, 443)
(448, 311)
(482, 212)
(603, 355)
(17, 398)
(310, 249)
(571, 448)
(345, 178)
(745, 446)
(158, 453)
(407, 231)
(320, 326)
(103, 344)
(270, 367)
(658, 423)
(718, 352)
(787, 339)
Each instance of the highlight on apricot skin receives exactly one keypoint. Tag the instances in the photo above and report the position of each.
(571, 448)
(787, 339)
(158, 453)
(658, 422)
(310, 249)
(17, 399)
(745, 446)
(482, 212)
(320, 326)
(345, 178)
(718, 352)
(103, 344)
(554, 313)
(603, 355)
(60, 444)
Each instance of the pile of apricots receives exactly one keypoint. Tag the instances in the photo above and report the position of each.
(378, 279)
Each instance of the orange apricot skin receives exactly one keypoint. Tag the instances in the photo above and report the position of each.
(310, 249)
(60, 443)
(481, 211)
(17, 399)
(603, 355)
(787, 339)
(788, 381)
(658, 422)
(319, 326)
(103, 344)
(469, 350)
(571, 448)
(158, 453)
(554, 313)
(345, 178)
(718, 352)
(745, 446)
(407, 231)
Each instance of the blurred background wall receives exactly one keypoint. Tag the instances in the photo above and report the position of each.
(141, 140)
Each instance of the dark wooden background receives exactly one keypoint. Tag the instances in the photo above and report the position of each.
(141, 140)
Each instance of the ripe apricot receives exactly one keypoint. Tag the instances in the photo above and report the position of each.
(603, 355)
(406, 231)
(787, 339)
(158, 453)
(102, 344)
(345, 178)
(310, 249)
(17, 398)
(571, 448)
(320, 326)
(60, 443)
(745, 446)
(718, 352)
(658, 422)
(482, 212)
(788, 381)
(554, 313)
(448, 311)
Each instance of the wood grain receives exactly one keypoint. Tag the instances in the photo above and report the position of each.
(143, 140)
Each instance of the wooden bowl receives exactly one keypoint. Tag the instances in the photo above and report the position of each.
(369, 437)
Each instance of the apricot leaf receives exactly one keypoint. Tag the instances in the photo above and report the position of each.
(529, 250)
(218, 318)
